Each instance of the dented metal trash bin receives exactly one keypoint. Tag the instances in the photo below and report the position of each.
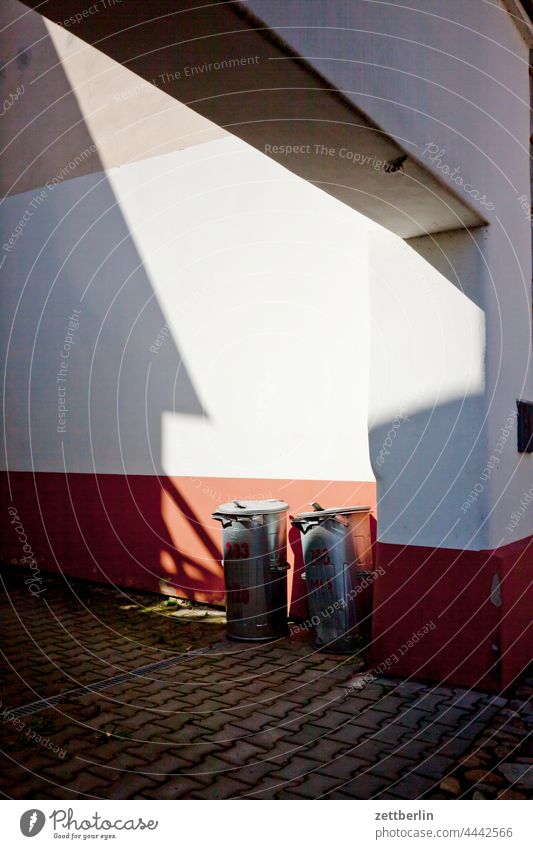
(336, 546)
(254, 544)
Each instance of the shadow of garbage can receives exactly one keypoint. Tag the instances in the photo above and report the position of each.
(254, 540)
(337, 552)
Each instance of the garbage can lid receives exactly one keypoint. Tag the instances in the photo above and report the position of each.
(252, 508)
(332, 511)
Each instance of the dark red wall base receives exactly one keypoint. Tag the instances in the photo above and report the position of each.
(147, 532)
(156, 534)
(473, 608)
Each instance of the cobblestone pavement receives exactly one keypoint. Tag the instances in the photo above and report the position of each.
(500, 765)
(229, 720)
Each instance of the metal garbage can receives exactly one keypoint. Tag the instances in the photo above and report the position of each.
(254, 540)
(336, 546)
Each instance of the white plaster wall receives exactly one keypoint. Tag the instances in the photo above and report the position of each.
(455, 78)
(254, 283)
(454, 75)
(427, 382)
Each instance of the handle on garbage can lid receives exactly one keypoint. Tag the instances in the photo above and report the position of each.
(304, 524)
(227, 520)
(309, 520)
(221, 517)
(336, 517)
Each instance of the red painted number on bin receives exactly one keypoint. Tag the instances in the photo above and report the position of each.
(237, 550)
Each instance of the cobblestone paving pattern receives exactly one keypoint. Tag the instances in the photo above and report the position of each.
(240, 720)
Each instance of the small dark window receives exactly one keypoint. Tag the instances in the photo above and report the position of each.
(525, 426)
